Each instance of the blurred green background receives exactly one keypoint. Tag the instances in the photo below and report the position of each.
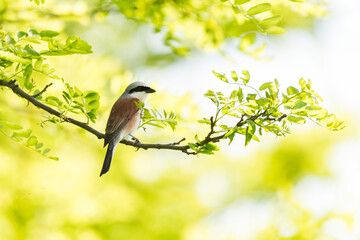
(303, 186)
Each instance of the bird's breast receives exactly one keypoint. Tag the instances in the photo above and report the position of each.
(133, 124)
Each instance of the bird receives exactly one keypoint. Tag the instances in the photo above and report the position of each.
(124, 119)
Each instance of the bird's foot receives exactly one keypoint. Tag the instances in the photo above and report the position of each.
(134, 139)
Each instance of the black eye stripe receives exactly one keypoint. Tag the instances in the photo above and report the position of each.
(139, 89)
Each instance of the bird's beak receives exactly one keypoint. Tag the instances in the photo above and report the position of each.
(150, 90)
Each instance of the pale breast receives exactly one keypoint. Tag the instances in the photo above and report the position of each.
(133, 124)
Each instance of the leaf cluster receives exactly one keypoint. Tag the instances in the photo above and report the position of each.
(26, 53)
(254, 111)
(194, 23)
(25, 137)
(74, 101)
(156, 118)
(23, 55)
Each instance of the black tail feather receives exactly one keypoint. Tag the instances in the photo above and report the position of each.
(108, 158)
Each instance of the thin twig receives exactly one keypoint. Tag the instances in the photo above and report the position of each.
(42, 91)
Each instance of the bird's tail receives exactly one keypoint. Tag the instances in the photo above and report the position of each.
(108, 157)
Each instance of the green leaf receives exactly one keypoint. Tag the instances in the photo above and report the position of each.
(209, 94)
(261, 102)
(54, 158)
(250, 131)
(211, 147)
(299, 104)
(48, 33)
(302, 83)
(239, 2)
(251, 96)
(275, 30)
(54, 101)
(32, 141)
(235, 9)
(220, 76)
(234, 94)
(10, 125)
(39, 145)
(316, 111)
(271, 20)
(313, 108)
(29, 50)
(292, 90)
(33, 32)
(94, 104)
(246, 41)
(240, 95)
(46, 150)
(234, 76)
(13, 58)
(193, 146)
(248, 136)
(21, 34)
(297, 120)
(266, 86)
(77, 45)
(91, 95)
(22, 134)
(328, 119)
(38, 63)
(9, 39)
(66, 96)
(260, 8)
(27, 75)
(276, 83)
(246, 77)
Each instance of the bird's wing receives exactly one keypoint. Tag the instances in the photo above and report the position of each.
(121, 113)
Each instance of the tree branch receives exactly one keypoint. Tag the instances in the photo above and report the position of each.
(15, 88)
(170, 146)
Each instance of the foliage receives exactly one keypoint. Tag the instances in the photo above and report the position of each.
(261, 110)
(208, 24)
(25, 138)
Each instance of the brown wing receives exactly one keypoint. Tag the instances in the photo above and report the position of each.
(120, 114)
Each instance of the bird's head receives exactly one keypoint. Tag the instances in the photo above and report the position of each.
(137, 90)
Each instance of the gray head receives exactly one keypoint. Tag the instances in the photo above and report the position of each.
(138, 90)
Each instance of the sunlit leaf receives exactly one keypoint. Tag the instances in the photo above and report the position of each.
(32, 141)
(260, 8)
(246, 77)
(271, 20)
(22, 134)
(48, 33)
(275, 30)
(239, 2)
(291, 90)
(13, 58)
(234, 76)
(297, 120)
(299, 104)
(10, 125)
(266, 86)
(220, 76)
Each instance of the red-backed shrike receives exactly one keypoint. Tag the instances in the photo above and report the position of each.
(124, 119)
